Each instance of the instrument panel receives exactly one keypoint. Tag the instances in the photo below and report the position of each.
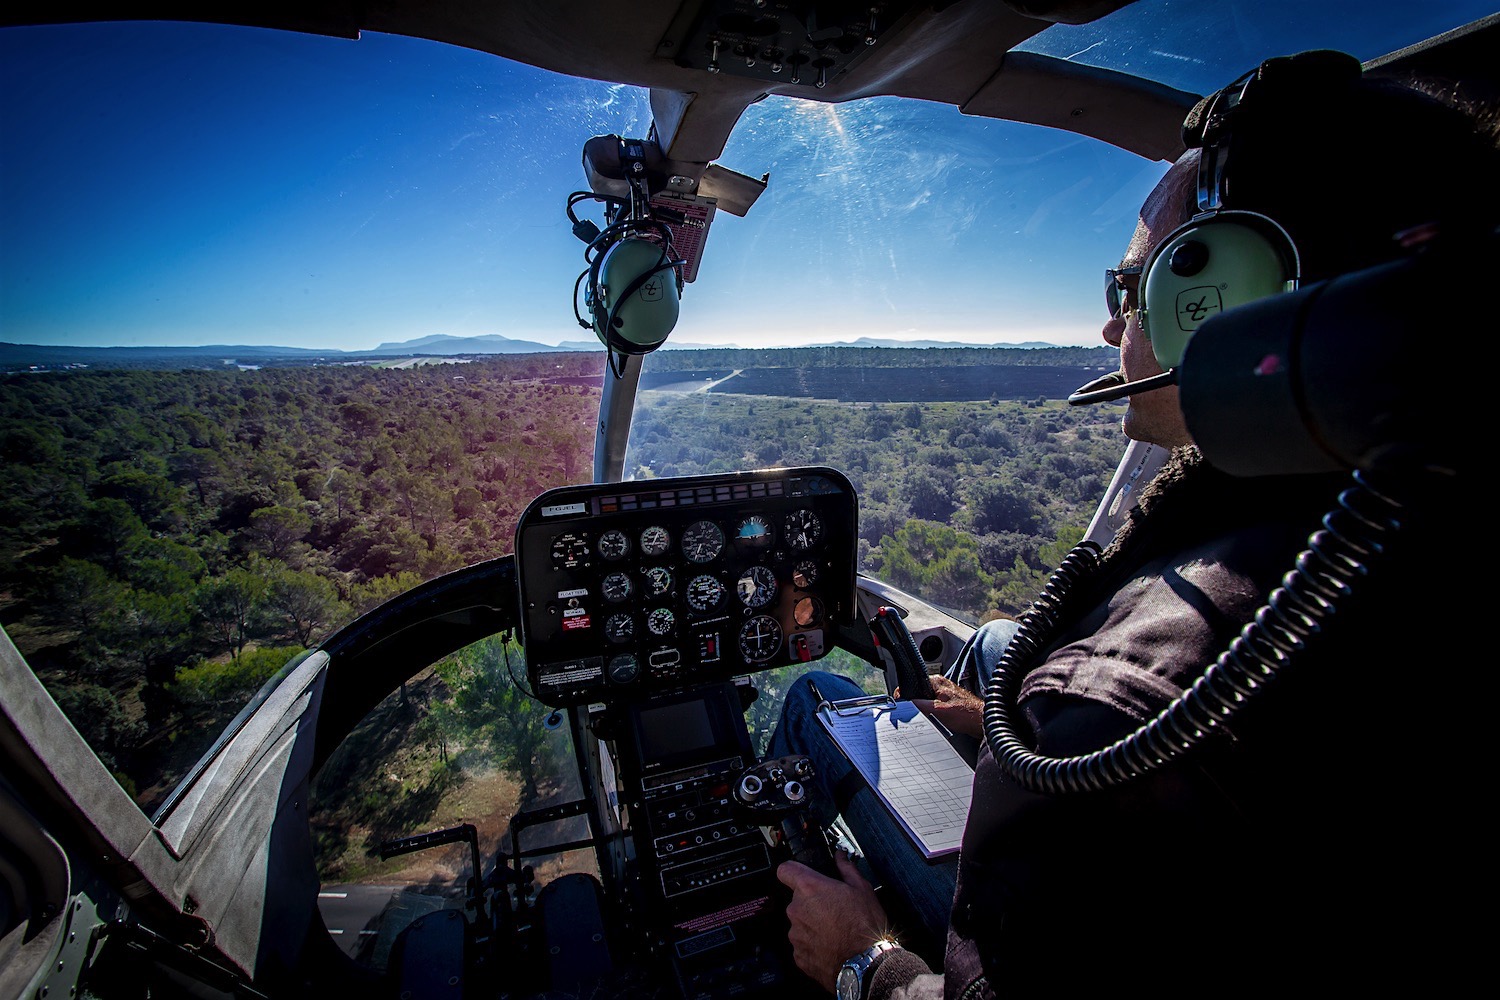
(631, 588)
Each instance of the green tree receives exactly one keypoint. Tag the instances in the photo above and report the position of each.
(152, 631)
(929, 493)
(466, 502)
(1001, 504)
(489, 703)
(368, 596)
(957, 581)
(153, 498)
(107, 529)
(276, 530)
(199, 467)
(936, 562)
(231, 609)
(302, 605)
(163, 566)
(78, 594)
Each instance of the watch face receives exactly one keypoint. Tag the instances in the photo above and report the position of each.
(847, 987)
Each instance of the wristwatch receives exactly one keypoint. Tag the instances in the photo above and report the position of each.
(850, 984)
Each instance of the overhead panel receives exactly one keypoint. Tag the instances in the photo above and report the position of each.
(810, 44)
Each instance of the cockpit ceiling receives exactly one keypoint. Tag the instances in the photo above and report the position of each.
(705, 61)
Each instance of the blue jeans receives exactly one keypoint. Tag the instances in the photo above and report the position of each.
(896, 864)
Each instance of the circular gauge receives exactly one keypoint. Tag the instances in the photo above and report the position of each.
(660, 621)
(658, 581)
(807, 612)
(803, 529)
(570, 550)
(623, 668)
(613, 545)
(702, 541)
(756, 587)
(619, 628)
(805, 574)
(760, 639)
(704, 592)
(616, 587)
(754, 531)
(655, 541)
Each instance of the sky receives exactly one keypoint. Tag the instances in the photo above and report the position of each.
(174, 184)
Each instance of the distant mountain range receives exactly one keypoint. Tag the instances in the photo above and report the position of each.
(878, 342)
(20, 357)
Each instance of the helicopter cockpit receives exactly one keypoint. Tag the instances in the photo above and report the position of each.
(532, 614)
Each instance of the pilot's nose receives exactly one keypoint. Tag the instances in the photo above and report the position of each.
(1114, 331)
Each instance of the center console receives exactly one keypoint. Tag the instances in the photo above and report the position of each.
(653, 604)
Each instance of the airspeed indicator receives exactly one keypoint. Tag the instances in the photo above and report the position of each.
(702, 541)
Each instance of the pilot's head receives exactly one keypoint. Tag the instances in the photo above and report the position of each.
(1302, 170)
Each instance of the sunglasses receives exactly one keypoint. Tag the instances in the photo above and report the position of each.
(1114, 290)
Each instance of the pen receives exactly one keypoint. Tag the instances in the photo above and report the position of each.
(816, 693)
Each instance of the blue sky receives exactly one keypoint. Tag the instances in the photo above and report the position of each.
(194, 184)
(332, 193)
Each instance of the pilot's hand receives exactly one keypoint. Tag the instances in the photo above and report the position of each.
(955, 706)
(831, 919)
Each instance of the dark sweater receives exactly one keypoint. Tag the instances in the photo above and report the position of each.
(1293, 846)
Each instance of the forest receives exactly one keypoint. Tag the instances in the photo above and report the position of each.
(168, 540)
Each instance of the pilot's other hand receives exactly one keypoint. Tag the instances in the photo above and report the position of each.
(831, 919)
(955, 706)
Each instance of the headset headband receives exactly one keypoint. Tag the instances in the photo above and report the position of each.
(1275, 93)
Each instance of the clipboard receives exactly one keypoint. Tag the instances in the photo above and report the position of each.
(917, 774)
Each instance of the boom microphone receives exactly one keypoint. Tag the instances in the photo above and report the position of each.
(1113, 386)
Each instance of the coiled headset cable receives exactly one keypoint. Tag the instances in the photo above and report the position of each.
(1333, 568)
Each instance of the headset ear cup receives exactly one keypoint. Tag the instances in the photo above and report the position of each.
(638, 296)
(1213, 263)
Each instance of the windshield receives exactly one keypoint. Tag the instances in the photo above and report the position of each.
(287, 328)
(1200, 47)
(225, 252)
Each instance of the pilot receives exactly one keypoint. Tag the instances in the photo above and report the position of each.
(1313, 839)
